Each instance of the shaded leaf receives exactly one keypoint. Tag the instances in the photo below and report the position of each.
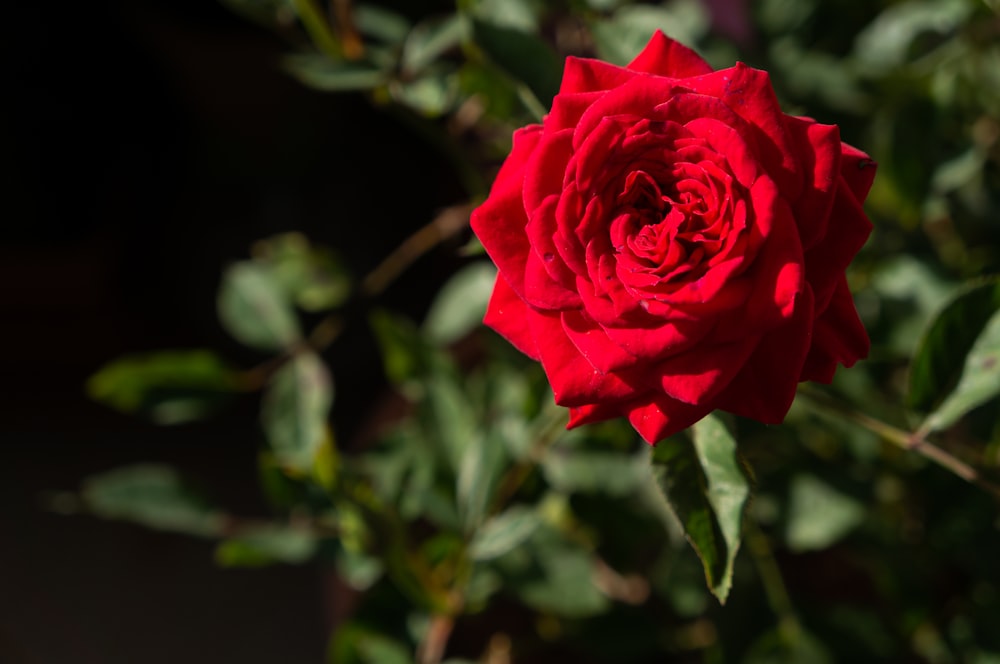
(526, 57)
(940, 356)
(295, 411)
(152, 495)
(460, 305)
(321, 73)
(266, 546)
(313, 277)
(354, 643)
(170, 386)
(707, 488)
(980, 379)
(254, 308)
(380, 23)
(818, 514)
(885, 43)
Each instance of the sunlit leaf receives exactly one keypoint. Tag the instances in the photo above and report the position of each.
(620, 39)
(707, 488)
(170, 387)
(614, 473)
(152, 495)
(254, 308)
(431, 39)
(885, 43)
(503, 532)
(818, 514)
(295, 411)
(940, 356)
(460, 304)
(980, 379)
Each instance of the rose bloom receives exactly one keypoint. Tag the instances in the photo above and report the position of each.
(670, 243)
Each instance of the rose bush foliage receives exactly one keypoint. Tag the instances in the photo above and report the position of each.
(669, 242)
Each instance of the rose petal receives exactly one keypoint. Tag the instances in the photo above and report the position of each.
(839, 337)
(826, 262)
(661, 417)
(506, 314)
(574, 380)
(858, 170)
(765, 387)
(589, 75)
(818, 150)
(499, 222)
(665, 57)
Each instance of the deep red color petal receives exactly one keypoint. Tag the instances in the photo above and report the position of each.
(506, 313)
(665, 57)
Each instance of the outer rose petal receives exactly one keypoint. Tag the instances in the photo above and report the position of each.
(839, 337)
(765, 388)
(506, 314)
(818, 149)
(499, 221)
(662, 417)
(858, 170)
(574, 380)
(665, 57)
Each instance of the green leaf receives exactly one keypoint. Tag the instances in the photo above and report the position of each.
(503, 532)
(321, 73)
(151, 495)
(432, 94)
(620, 39)
(460, 304)
(614, 473)
(980, 380)
(355, 643)
(254, 308)
(565, 585)
(520, 15)
(170, 387)
(431, 39)
(707, 487)
(941, 353)
(266, 546)
(380, 23)
(295, 411)
(526, 57)
(406, 355)
(313, 277)
(819, 515)
(885, 43)
(478, 477)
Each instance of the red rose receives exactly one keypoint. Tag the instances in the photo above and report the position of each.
(669, 243)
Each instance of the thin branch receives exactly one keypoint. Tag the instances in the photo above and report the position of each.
(910, 441)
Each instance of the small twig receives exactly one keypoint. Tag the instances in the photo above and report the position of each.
(450, 221)
(910, 441)
(431, 649)
(315, 23)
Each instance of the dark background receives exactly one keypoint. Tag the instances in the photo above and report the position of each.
(145, 145)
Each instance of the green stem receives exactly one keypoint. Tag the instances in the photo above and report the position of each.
(822, 403)
(774, 585)
(314, 20)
